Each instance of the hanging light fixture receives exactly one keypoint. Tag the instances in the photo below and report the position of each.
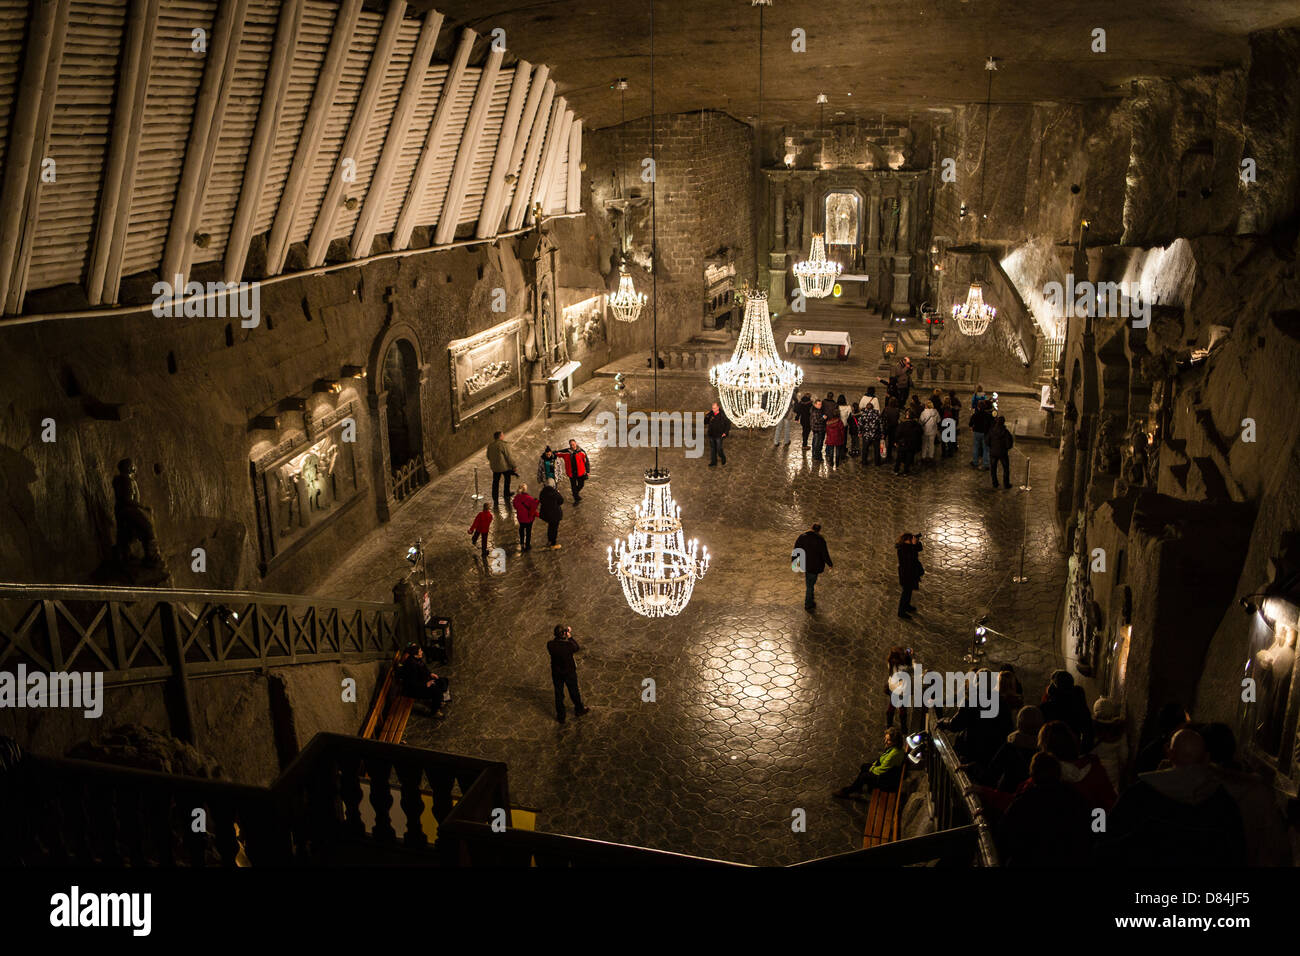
(655, 564)
(756, 386)
(817, 275)
(973, 316)
(626, 303)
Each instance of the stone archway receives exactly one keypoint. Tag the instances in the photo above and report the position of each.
(400, 411)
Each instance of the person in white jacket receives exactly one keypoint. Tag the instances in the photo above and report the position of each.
(1112, 740)
(869, 399)
(929, 430)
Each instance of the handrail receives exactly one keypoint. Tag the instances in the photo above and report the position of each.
(80, 592)
(952, 845)
(952, 794)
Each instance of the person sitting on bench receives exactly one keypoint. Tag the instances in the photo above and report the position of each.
(419, 682)
(885, 773)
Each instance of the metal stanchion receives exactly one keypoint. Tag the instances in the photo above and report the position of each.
(1025, 486)
(1024, 528)
(476, 496)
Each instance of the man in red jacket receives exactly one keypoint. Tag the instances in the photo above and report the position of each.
(526, 508)
(479, 529)
(577, 466)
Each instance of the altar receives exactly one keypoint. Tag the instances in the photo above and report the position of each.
(814, 343)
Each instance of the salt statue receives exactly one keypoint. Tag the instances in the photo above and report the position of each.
(134, 521)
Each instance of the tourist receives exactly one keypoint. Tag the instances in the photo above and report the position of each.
(818, 415)
(577, 466)
(978, 398)
(886, 773)
(998, 444)
(547, 467)
(1085, 774)
(811, 546)
(1169, 719)
(420, 683)
(948, 425)
(843, 405)
(1264, 825)
(910, 570)
(855, 436)
(1065, 700)
(1180, 817)
(903, 379)
(717, 425)
(980, 423)
(1009, 767)
(503, 466)
(525, 513)
(781, 431)
(870, 399)
(870, 428)
(550, 507)
(1111, 736)
(1047, 824)
(564, 672)
(908, 443)
(929, 431)
(890, 418)
(478, 531)
(803, 412)
(898, 668)
(834, 437)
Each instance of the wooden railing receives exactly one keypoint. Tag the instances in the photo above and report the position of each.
(954, 847)
(953, 803)
(148, 634)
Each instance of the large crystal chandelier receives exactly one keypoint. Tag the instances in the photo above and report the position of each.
(756, 386)
(817, 274)
(657, 567)
(973, 317)
(626, 303)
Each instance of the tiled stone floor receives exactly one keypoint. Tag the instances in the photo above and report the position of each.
(761, 707)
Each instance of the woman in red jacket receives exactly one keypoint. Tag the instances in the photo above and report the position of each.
(479, 529)
(526, 508)
(834, 439)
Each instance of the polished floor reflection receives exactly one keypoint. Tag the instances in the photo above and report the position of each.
(759, 708)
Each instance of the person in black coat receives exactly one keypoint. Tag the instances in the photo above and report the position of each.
(564, 672)
(803, 412)
(1000, 440)
(1048, 824)
(908, 547)
(811, 546)
(420, 683)
(551, 511)
(716, 424)
(1065, 700)
(907, 443)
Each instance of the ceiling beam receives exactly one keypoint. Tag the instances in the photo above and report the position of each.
(123, 145)
(489, 216)
(433, 141)
(28, 144)
(313, 129)
(515, 165)
(573, 199)
(556, 134)
(275, 86)
(528, 171)
(318, 243)
(363, 236)
(469, 141)
(205, 130)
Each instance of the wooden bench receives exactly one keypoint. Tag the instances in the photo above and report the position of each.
(392, 709)
(882, 814)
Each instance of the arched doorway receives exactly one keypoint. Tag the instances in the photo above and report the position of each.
(401, 388)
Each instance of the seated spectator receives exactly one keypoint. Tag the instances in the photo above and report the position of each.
(1170, 719)
(1111, 736)
(885, 774)
(420, 683)
(1048, 823)
(1063, 700)
(1265, 828)
(1180, 817)
(1009, 767)
(1085, 774)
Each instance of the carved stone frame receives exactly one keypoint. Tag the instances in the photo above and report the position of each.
(377, 398)
(458, 347)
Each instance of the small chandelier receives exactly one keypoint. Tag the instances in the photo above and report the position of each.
(656, 566)
(818, 274)
(756, 386)
(974, 317)
(626, 303)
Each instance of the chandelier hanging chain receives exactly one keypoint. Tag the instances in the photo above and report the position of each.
(758, 130)
(988, 109)
(654, 225)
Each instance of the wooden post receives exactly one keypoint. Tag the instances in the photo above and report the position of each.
(377, 194)
(313, 128)
(256, 164)
(319, 241)
(469, 141)
(180, 708)
(528, 172)
(28, 142)
(573, 197)
(489, 216)
(433, 142)
(514, 166)
(556, 140)
(124, 141)
(205, 129)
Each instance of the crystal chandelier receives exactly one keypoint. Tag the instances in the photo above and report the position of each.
(817, 275)
(656, 566)
(974, 316)
(756, 386)
(626, 303)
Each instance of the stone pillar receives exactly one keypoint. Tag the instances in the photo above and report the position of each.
(383, 473)
(903, 257)
(776, 282)
(871, 258)
(426, 423)
(778, 225)
(809, 214)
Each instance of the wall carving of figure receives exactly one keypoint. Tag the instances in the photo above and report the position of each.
(134, 519)
(794, 223)
(1106, 460)
(1134, 470)
(889, 223)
